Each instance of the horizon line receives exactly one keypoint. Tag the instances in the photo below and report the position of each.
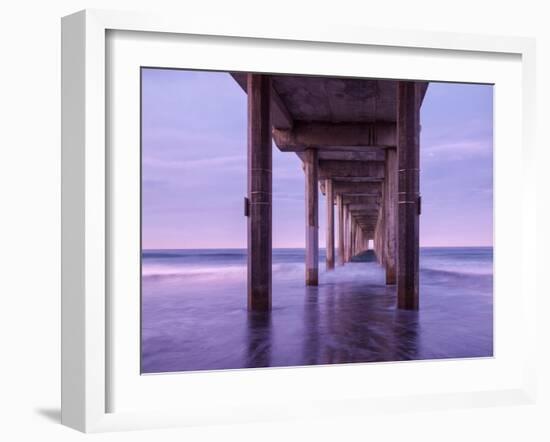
(303, 248)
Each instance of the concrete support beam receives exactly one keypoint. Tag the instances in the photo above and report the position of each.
(366, 225)
(335, 136)
(346, 233)
(370, 207)
(340, 206)
(366, 200)
(359, 240)
(259, 192)
(351, 237)
(364, 215)
(357, 189)
(369, 218)
(356, 240)
(390, 208)
(408, 123)
(368, 154)
(372, 154)
(360, 170)
(280, 116)
(330, 225)
(379, 234)
(311, 169)
(357, 179)
(351, 251)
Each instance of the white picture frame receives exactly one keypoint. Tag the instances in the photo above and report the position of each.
(86, 205)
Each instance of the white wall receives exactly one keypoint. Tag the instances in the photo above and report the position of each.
(30, 221)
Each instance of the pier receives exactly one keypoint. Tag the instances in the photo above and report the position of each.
(358, 142)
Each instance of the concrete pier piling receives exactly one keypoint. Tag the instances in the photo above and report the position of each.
(341, 253)
(259, 192)
(408, 155)
(330, 225)
(311, 170)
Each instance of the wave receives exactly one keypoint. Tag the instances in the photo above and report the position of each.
(225, 271)
(231, 264)
(151, 270)
(192, 255)
(472, 269)
(350, 271)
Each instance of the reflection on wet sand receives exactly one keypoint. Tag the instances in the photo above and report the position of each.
(343, 324)
(258, 340)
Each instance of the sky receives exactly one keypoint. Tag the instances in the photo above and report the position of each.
(194, 166)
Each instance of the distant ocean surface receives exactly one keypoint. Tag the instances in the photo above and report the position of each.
(194, 314)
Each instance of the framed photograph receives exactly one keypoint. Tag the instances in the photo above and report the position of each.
(264, 223)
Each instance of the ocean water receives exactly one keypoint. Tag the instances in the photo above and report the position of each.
(194, 314)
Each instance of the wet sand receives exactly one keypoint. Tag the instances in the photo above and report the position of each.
(199, 321)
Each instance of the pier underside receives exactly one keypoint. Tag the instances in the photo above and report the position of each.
(358, 141)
